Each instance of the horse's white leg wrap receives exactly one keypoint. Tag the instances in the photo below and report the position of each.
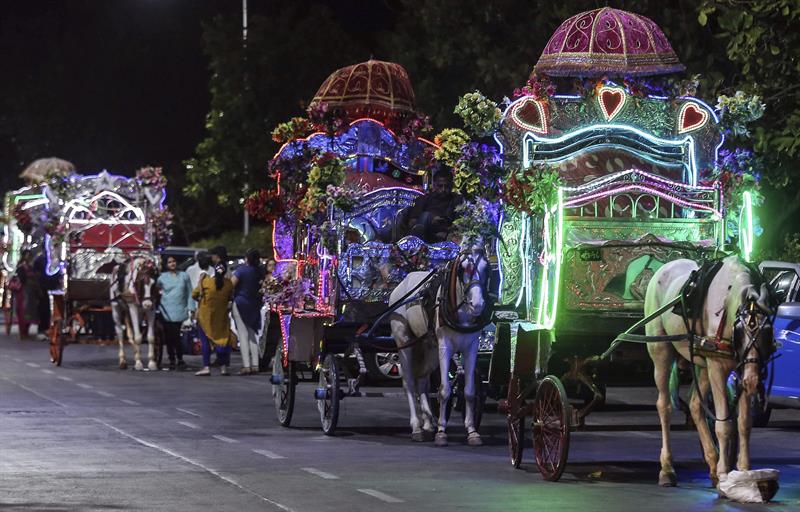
(470, 354)
(137, 336)
(118, 317)
(445, 354)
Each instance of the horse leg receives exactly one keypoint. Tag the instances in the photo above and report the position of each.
(745, 421)
(663, 356)
(409, 386)
(136, 340)
(698, 416)
(118, 317)
(445, 354)
(428, 422)
(151, 340)
(470, 360)
(718, 376)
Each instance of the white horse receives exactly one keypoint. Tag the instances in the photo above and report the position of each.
(133, 299)
(461, 299)
(732, 300)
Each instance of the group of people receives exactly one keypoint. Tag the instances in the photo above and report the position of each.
(201, 296)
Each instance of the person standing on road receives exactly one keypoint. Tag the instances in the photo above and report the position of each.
(247, 309)
(213, 295)
(201, 265)
(26, 294)
(176, 298)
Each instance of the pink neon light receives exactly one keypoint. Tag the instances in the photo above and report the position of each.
(598, 195)
(654, 177)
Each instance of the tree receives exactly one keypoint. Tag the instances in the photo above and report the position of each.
(288, 55)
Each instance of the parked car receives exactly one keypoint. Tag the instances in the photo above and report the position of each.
(785, 280)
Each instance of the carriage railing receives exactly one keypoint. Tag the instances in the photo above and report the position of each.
(636, 194)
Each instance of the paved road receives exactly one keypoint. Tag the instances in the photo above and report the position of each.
(88, 436)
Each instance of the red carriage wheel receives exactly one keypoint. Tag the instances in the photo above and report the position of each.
(551, 428)
(516, 438)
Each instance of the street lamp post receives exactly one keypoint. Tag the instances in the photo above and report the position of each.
(246, 228)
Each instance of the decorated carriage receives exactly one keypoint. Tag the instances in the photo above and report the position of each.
(610, 176)
(340, 232)
(86, 226)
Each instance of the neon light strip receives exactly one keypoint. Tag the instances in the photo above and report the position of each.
(611, 177)
(655, 140)
(499, 257)
(611, 115)
(76, 205)
(575, 201)
(524, 257)
(746, 227)
(548, 306)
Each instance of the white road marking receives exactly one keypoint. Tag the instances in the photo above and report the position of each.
(194, 463)
(269, 454)
(189, 424)
(105, 394)
(187, 411)
(17, 359)
(225, 439)
(48, 372)
(84, 386)
(33, 365)
(381, 496)
(29, 390)
(65, 378)
(321, 474)
(129, 402)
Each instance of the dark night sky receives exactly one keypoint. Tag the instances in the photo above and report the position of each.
(114, 84)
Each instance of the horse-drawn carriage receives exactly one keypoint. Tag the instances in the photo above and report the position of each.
(96, 225)
(340, 266)
(630, 177)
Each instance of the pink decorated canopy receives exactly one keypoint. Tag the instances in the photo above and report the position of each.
(375, 89)
(608, 42)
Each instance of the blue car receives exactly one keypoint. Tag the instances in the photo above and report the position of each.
(785, 280)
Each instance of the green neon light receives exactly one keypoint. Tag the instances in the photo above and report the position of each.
(746, 227)
(548, 293)
(28, 197)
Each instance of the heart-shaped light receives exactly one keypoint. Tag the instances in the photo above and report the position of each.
(530, 114)
(691, 117)
(611, 101)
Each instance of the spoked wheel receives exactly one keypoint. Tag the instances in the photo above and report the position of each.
(551, 428)
(328, 394)
(516, 439)
(284, 382)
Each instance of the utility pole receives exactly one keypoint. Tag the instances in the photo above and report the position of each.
(245, 189)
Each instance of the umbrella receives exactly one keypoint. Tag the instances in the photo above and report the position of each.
(37, 171)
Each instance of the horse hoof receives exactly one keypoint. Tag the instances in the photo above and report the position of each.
(417, 437)
(152, 366)
(474, 439)
(440, 439)
(714, 480)
(123, 365)
(667, 479)
(138, 366)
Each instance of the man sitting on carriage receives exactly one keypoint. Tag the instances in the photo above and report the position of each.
(431, 216)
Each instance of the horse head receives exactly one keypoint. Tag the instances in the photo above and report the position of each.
(144, 280)
(753, 336)
(473, 277)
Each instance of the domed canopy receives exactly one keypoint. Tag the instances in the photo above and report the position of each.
(375, 89)
(608, 42)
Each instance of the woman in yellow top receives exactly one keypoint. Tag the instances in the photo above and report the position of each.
(214, 293)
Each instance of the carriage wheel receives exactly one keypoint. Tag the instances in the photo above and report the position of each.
(284, 382)
(516, 439)
(551, 428)
(328, 394)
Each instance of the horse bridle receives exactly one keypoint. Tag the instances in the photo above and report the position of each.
(753, 322)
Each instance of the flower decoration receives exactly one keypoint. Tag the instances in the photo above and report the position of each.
(266, 205)
(161, 220)
(327, 169)
(478, 171)
(294, 128)
(476, 221)
(325, 118)
(286, 292)
(450, 142)
(151, 177)
(481, 116)
(738, 171)
(412, 127)
(533, 190)
(417, 260)
(737, 111)
(343, 198)
(538, 86)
